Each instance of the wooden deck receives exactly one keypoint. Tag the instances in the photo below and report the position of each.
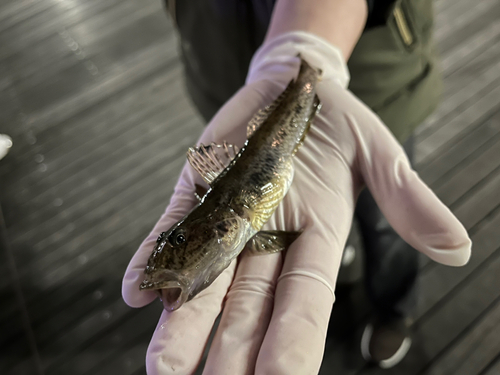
(92, 95)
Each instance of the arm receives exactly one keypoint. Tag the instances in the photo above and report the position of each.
(339, 22)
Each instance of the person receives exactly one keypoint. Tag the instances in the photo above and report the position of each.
(238, 57)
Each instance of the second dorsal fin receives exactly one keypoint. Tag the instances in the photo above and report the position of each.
(209, 161)
(264, 113)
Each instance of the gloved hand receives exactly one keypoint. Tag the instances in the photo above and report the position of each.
(277, 307)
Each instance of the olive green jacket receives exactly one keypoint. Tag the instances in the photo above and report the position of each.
(393, 67)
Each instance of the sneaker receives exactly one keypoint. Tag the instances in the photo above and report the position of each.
(5, 145)
(386, 342)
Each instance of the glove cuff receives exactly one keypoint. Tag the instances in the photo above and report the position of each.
(274, 56)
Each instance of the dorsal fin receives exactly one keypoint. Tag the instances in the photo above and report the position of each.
(263, 114)
(316, 109)
(209, 161)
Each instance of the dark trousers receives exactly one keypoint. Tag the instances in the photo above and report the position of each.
(391, 265)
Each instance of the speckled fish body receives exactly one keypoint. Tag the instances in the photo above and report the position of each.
(242, 196)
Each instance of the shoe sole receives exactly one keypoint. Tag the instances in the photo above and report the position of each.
(386, 363)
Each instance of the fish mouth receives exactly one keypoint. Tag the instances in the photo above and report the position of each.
(172, 297)
(172, 292)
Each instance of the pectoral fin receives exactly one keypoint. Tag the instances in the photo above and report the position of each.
(272, 241)
(210, 161)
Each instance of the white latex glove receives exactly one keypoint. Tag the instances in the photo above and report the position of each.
(277, 307)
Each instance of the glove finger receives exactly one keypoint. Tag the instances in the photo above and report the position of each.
(294, 342)
(247, 312)
(409, 205)
(180, 337)
(246, 316)
(182, 202)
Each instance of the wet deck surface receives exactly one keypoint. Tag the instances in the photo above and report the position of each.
(92, 95)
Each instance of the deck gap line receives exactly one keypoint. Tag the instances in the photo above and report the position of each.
(428, 132)
(457, 137)
(463, 333)
(476, 272)
(473, 189)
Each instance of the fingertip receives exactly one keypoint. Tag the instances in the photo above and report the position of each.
(134, 275)
(131, 294)
(155, 362)
(457, 255)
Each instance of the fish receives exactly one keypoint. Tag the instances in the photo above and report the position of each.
(245, 187)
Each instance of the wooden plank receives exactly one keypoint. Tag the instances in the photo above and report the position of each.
(17, 359)
(486, 350)
(65, 15)
(13, 11)
(493, 368)
(73, 88)
(69, 180)
(107, 352)
(473, 46)
(81, 294)
(481, 201)
(463, 88)
(450, 159)
(20, 324)
(444, 7)
(42, 62)
(60, 265)
(110, 116)
(473, 351)
(109, 51)
(438, 281)
(131, 362)
(472, 173)
(10, 108)
(111, 45)
(134, 179)
(132, 70)
(54, 88)
(459, 19)
(85, 331)
(120, 222)
(66, 344)
(479, 15)
(104, 138)
(444, 136)
(145, 173)
(109, 22)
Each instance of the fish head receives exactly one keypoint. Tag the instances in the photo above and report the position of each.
(192, 254)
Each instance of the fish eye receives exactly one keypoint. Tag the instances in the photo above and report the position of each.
(177, 237)
(180, 239)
